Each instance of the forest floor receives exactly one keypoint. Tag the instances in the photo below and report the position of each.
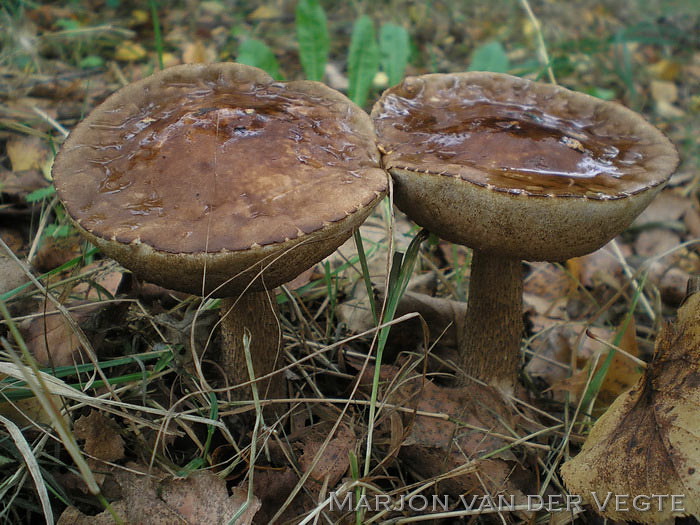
(119, 421)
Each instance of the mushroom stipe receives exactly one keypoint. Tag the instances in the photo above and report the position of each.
(516, 170)
(217, 180)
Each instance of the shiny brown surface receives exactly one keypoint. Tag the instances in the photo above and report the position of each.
(218, 158)
(519, 136)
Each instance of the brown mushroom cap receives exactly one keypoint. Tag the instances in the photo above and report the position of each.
(518, 168)
(219, 169)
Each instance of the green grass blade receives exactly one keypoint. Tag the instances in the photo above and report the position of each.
(490, 57)
(76, 260)
(35, 382)
(157, 36)
(363, 60)
(312, 36)
(395, 48)
(256, 53)
(365, 275)
(398, 282)
(597, 381)
(32, 466)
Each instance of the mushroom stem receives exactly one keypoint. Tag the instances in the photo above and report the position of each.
(257, 313)
(493, 325)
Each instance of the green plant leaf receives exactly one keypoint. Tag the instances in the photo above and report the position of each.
(91, 61)
(256, 53)
(363, 60)
(395, 48)
(40, 194)
(490, 57)
(312, 36)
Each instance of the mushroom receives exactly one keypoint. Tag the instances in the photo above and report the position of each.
(516, 170)
(215, 179)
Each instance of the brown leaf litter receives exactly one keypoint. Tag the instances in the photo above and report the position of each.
(155, 499)
(648, 442)
(460, 435)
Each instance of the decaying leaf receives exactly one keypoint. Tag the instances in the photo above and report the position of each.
(197, 53)
(464, 425)
(129, 51)
(11, 274)
(51, 338)
(102, 280)
(602, 267)
(200, 499)
(591, 351)
(665, 94)
(101, 435)
(29, 153)
(334, 461)
(19, 184)
(648, 442)
(56, 251)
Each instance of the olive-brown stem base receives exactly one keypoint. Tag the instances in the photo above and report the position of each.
(257, 313)
(489, 347)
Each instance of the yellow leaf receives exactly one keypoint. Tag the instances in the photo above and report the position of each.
(139, 17)
(28, 153)
(129, 51)
(265, 12)
(665, 69)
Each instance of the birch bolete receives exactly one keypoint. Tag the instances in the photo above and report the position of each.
(516, 170)
(215, 179)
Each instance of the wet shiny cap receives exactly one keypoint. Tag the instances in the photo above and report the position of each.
(218, 158)
(528, 145)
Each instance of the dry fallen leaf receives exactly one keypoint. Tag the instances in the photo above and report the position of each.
(19, 184)
(622, 372)
(29, 153)
(197, 53)
(648, 442)
(50, 337)
(129, 51)
(11, 274)
(602, 267)
(665, 69)
(102, 283)
(665, 93)
(56, 251)
(101, 435)
(334, 461)
(465, 424)
(200, 499)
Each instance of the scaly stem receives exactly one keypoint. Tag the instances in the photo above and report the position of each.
(257, 312)
(490, 341)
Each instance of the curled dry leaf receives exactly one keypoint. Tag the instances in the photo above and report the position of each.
(648, 442)
(590, 350)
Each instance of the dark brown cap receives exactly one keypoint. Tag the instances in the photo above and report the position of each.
(215, 168)
(522, 168)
